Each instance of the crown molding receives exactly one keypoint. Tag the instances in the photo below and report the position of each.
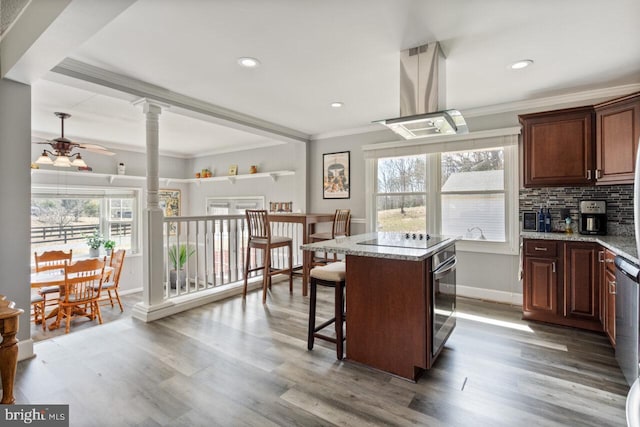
(552, 101)
(89, 73)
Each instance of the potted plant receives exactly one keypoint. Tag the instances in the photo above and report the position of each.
(109, 245)
(177, 258)
(94, 241)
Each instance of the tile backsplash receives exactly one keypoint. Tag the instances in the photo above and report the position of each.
(619, 203)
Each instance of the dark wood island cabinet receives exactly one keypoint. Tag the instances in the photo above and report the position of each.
(399, 308)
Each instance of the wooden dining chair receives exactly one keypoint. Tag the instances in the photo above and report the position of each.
(341, 227)
(82, 286)
(47, 261)
(37, 310)
(260, 238)
(110, 287)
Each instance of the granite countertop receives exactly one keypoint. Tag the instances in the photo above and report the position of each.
(622, 245)
(351, 246)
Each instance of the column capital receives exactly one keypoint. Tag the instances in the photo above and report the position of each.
(150, 105)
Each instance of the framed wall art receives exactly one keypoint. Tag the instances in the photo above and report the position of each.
(336, 175)
(169, 202)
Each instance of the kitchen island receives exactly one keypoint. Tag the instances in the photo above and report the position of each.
(400, 298)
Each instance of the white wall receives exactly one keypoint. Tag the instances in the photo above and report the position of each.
(291, 156)
(15, 193)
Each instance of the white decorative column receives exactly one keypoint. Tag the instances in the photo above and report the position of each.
(152, 223)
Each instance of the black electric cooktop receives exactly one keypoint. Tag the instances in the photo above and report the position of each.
(404, 240)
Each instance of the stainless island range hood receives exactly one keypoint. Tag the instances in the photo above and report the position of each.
(422, 96)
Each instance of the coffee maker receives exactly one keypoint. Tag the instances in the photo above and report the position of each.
(593, 217)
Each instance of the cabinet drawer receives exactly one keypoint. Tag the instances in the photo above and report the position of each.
(540, 248)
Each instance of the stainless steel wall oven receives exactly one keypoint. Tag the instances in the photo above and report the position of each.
(443, 297)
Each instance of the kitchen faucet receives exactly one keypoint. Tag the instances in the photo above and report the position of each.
(482, 237)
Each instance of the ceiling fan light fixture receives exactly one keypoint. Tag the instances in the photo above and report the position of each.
(78, 162)
(44, 159)
(62, 162)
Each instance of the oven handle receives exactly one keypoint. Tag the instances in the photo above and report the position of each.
(445, 269)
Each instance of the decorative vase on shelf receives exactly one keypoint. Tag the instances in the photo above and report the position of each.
(253, 169)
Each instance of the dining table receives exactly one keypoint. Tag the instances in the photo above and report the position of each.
(56, 278)
(308, 222)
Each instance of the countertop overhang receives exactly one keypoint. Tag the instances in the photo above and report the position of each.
(624, 246)
(351, 245)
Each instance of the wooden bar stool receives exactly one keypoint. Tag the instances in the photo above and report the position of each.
(331, 275)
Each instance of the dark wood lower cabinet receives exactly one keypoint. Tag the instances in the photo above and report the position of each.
(541, 288)
(562, 283)
(582, 284)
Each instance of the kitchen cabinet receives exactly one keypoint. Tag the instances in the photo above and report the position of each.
(582, 282)
(540, 280)
(617, 133)
(562, 283)
(608, 292)
(558, 147)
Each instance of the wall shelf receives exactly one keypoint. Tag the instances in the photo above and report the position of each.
(233, 178)
(110, 178)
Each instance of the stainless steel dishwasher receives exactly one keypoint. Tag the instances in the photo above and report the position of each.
(627, 294)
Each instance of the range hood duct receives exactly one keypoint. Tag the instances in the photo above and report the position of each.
(422, 96)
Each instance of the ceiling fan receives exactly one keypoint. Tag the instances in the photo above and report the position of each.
(62, 155)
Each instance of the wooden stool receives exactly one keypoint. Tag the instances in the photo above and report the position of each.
(331, 275)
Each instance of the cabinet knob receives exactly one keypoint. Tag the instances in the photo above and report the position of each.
(612, 285)
(540, 249)
(588, 173)
(553, 266)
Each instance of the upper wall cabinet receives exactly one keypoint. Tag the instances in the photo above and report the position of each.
(558, 148)
(617, 134)
(594, 145)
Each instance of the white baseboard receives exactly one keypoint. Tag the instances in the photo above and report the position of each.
(489, 295)
(130, 291)
(182, 303)
(25, 349)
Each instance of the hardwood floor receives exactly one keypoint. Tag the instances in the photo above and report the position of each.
(109, 314)
(235, 363)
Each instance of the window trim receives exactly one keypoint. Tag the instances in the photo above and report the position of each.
(506, 138)
(101, 193)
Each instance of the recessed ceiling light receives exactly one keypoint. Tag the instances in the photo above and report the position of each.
(518, 65)
(337, 104)
(248, 62)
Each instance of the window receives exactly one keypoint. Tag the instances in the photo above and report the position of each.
(401, 197)
(472, 194)
(466, 187)
(62, 221)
